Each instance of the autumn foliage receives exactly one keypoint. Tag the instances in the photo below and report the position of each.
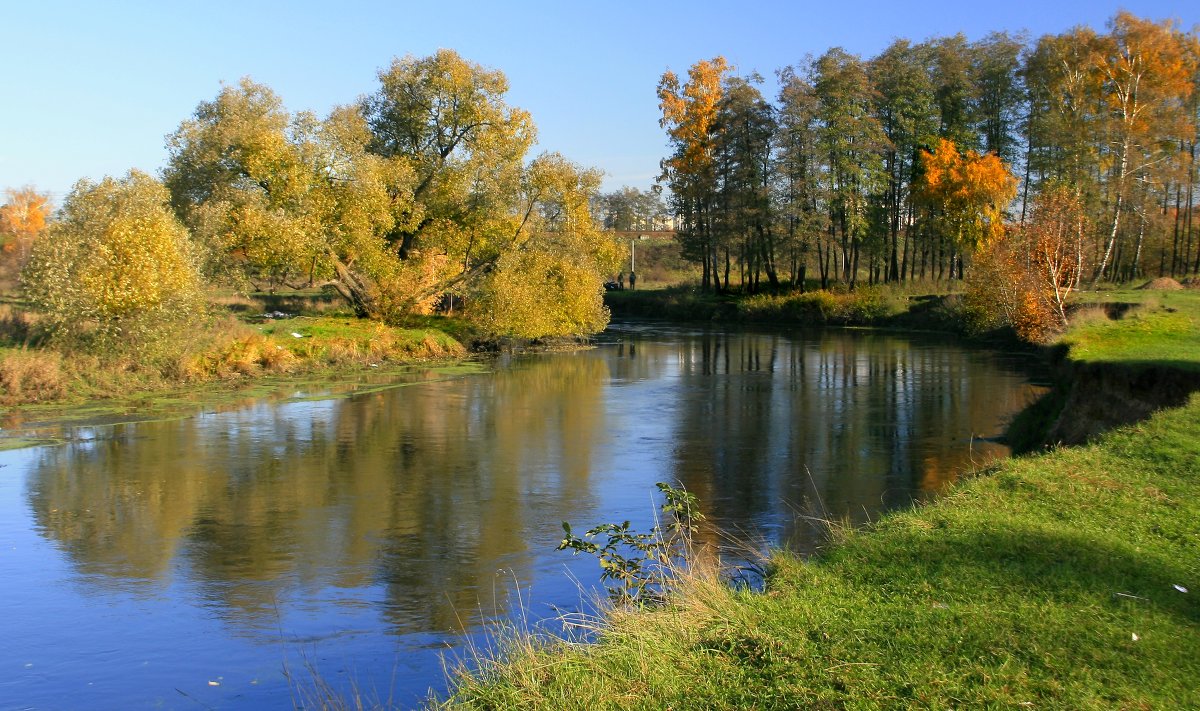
(23, 217)
(1026, 279)
(117, 269)
(968, 193)
(24, 214)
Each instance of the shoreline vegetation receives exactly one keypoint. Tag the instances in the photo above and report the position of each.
(1048, 579)
(248, 348)
(1067, 579)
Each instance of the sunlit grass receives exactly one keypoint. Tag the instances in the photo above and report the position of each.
(1163, 328)
(1066, 580)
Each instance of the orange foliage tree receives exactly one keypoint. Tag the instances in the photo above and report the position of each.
(689, 112)
(1026, 279)
(1148, 71)
(1053, 242)
(966, 193)
(23, 217)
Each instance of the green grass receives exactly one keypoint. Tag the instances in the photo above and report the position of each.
(1163, 329)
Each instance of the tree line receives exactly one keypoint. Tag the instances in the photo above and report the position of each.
(902, 166)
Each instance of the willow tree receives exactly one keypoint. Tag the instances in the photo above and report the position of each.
(552, 283)
(275, 200)
(417, 191)
(445, 120)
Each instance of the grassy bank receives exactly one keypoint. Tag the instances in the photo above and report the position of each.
(234, 348)
(1064, 580)
(1161, 329)
(1127, 354)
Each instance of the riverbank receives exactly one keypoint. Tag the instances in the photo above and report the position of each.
(881, 307)
(229, 358)
(1064, 580)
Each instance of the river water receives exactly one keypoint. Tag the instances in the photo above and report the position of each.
(194, 563)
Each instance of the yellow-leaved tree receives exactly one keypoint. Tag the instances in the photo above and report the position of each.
(420, 191)
(116, 270)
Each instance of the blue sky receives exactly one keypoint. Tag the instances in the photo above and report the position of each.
(91, 89)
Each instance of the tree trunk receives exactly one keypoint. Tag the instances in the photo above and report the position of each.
(354, 289)
(1116, 221)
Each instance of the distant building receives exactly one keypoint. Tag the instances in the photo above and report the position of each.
(648, 235)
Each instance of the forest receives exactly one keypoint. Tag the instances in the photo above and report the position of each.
(1072, 156)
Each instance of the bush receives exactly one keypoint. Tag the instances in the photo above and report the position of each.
(116, 272)
(864, 306)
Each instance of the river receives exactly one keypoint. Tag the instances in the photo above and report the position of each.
(195, 562)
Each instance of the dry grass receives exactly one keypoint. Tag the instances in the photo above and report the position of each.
(31, 376)
(242, 353)
(234, 303)
(1088, 315)
(1162, 284)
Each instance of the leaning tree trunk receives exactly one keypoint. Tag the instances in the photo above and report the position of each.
(355, 289)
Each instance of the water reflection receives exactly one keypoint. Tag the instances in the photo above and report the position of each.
(775, 434)
(420, 491)
(378, 524)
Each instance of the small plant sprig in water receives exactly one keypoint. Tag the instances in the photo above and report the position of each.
(641, 565)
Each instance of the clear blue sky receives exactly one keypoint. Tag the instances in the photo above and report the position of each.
(92, 88)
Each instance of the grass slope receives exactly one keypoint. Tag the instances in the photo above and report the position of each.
(1164, 330)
